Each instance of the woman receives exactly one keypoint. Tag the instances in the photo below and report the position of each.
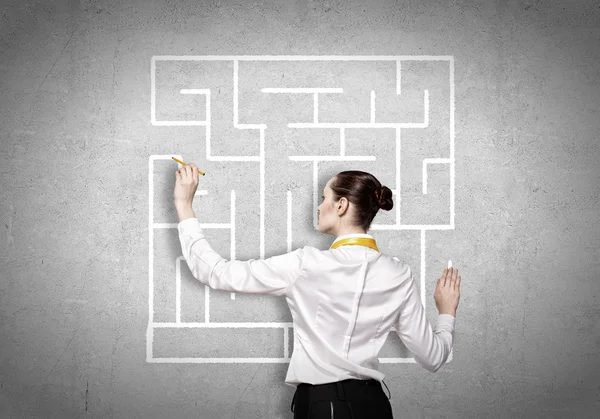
(343, 301)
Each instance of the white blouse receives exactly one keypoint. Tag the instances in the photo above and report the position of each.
(343, 301)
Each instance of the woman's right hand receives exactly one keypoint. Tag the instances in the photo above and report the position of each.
(447, 292)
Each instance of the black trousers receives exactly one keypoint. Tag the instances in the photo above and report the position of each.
(352, 399)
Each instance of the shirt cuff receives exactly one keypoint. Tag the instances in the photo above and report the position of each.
(446, 318)
(189, 224)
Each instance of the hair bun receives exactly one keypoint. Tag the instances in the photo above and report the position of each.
(384, 198)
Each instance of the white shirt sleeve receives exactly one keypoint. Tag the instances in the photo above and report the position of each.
(270, 276)
(430, 348)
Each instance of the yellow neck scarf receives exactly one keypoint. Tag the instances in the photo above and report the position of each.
(362, 241)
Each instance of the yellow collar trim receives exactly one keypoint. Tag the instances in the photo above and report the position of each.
(361, 241)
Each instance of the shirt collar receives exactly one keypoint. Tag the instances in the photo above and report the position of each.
(350, 235)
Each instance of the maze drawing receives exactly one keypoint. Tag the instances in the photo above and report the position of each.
(190, 323)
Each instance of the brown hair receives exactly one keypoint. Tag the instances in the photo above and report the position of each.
(365, 192)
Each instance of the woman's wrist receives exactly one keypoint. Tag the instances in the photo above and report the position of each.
(184, 211)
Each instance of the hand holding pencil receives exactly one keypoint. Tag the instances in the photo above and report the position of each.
(186, 183)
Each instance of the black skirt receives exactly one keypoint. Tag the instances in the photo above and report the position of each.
(352, 399)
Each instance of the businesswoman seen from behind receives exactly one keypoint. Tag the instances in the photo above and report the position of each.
(344, 300)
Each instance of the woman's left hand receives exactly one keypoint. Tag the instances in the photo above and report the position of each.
(186, 185)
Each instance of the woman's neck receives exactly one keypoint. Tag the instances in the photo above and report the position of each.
(343, 232)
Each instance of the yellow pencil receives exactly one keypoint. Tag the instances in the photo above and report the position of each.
(185, 164)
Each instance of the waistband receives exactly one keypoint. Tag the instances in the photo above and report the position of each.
(339, 388)
(348, 383)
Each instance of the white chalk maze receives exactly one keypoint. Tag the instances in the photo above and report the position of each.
(269, 131)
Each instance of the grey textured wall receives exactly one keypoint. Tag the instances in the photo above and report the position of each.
(75, 153)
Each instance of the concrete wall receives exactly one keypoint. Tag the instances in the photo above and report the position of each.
(511, 95)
